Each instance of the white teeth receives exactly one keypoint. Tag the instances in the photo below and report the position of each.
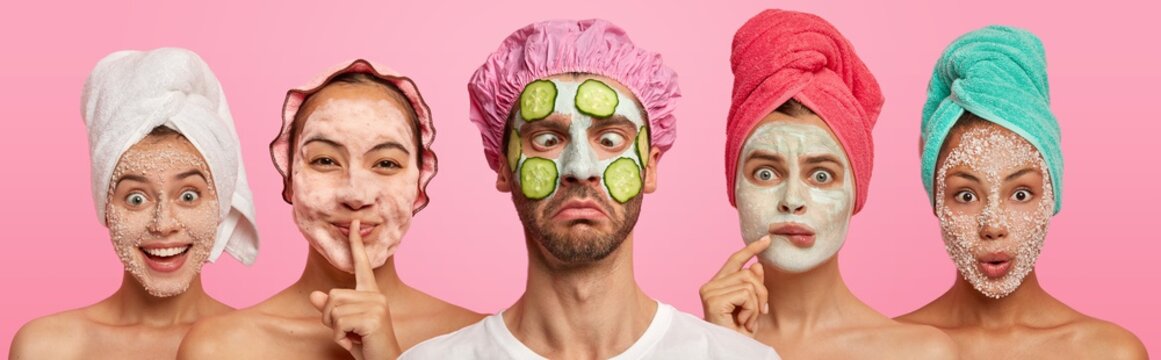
(165, 252)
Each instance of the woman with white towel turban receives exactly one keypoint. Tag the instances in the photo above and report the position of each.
(168, 183)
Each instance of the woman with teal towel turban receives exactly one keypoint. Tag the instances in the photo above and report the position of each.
(992, 167)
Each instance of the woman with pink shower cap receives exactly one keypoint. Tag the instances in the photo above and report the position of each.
(798, 165)
(354, 150)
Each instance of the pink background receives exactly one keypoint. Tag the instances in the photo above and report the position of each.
(467, 246)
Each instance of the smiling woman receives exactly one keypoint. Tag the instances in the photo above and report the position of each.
(169, 184)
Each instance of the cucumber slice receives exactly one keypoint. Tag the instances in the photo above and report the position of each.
(538, 178)
(538, 100)
(515, 147)
(623, 179)
(643, 145)
(594, 98)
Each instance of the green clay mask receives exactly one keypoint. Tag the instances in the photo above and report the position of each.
(586, 103)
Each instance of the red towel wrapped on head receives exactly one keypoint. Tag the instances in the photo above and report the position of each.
(781, 55)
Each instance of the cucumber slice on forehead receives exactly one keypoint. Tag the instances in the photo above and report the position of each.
(643, 145)
(538, 100)
(515, 147)
(538, 178)
(623, 179)
(595, 98)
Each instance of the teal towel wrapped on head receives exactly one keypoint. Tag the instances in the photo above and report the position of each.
(997, 73)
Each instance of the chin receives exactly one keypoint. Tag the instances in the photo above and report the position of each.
(792, 259)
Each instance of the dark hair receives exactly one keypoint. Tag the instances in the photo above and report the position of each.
(794, 108)
(351, 79)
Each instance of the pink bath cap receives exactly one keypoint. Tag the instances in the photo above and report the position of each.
(279, 148)
(554, 47)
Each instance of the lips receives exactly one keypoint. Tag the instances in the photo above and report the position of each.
(994, 265)
(165, 258)
(800, 235)
(577, 209)
(365, 229)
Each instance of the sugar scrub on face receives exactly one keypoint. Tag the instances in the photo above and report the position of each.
(994, 155)
(162, 213)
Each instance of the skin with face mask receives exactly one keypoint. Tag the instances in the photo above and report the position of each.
(795, 195)
(353, 181)
(994, 198)
(579, 238)
(162, 216)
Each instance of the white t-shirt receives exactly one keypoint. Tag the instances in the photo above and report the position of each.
(671, 335)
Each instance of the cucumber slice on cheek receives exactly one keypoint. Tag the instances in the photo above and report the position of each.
(643, 145)
(538, 100)
(515, 147)
(623, 179)
(594, 98)
(538, 178)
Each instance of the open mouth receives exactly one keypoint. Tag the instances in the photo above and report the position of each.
(165, 258)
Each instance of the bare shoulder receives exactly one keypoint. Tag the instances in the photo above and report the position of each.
(927, 315)
(1106, 340)
(429, 317)
(914, 341)
(229, 335)
(41, 337)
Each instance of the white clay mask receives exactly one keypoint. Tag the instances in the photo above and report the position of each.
(803, 206)
(993, 228)
(355, 159)
(587, 103)
(162, 213)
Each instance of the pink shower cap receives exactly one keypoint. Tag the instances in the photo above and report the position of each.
(554, 47)
(279, 148)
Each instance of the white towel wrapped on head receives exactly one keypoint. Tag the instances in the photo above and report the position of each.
(130, 93)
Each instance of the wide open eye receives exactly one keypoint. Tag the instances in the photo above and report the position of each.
(189, 196)
(611, 140)
(765, 174)
(135, 199)
(965, 196)
(1022, 195)
(822, 177)
(546, 140)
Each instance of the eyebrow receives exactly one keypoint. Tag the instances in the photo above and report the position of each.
(324, 141)
(1017, 174)
(550, 124)
(390, 145)
(194, 172)
(614, 120)
(137, 178)
(966, 176)
(765, 156)
(824, 158)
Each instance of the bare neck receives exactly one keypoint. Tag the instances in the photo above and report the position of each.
(1028, 304)
(320, 275)
(593, 310)
(806, 302)
(133, 305)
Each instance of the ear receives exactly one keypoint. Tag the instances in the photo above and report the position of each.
(287, 190)
(651, 169)
(504, 177)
